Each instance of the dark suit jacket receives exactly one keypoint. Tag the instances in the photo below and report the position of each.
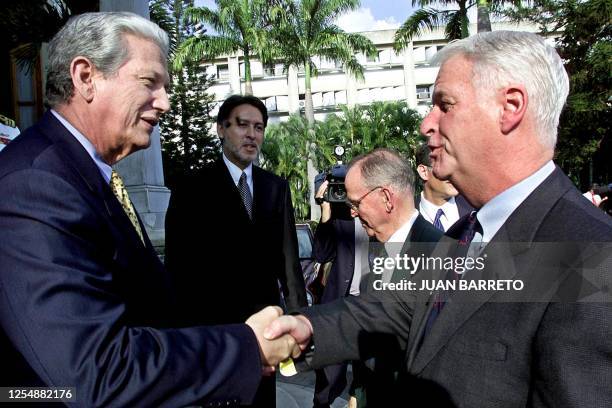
(489, 350)
(463, 206)
(335, 241)
(226, 266)
(84, 303)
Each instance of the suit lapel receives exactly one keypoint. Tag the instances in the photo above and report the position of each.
(77, 158)
(502, 262)
(227, 184)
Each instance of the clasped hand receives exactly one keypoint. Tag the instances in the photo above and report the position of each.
(279, 337)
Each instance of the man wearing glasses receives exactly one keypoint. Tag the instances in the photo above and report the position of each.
(380, 193)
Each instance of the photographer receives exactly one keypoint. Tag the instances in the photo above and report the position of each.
(340, 239)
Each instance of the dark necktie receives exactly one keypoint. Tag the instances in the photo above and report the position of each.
(464, 229)
(245, 193)
(437, 222)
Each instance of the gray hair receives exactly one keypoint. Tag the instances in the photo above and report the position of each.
(98, 37)
(503, 57)
(383, 167)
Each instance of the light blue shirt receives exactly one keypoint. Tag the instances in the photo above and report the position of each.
(104, 168)
(494, 214)
(236, 172)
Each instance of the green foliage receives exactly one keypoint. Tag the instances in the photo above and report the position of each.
(456, 22)
(187, 144)
(359, 130)
(239, 26)
(285, 153)
(585, 44)
(306, 28)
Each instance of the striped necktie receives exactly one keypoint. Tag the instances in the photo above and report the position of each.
(118, 188)
(437, 222)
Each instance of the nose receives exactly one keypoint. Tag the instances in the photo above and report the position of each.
(161, 102)
(429, 126)
(354, 213)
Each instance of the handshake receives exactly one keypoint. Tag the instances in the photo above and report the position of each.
(279, 337)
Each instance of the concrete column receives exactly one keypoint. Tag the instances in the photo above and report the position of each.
(142, 171)
(234, 75)
(294, 90)
(351, 90)
(409, 81)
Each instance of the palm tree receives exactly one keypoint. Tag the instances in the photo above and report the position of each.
(306, 29)
(456, 21)
(241, 25)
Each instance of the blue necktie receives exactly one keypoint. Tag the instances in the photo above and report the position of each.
(437, 222)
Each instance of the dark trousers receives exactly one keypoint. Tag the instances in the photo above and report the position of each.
(329, 384)
(266, 394)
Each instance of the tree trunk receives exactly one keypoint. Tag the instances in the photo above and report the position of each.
(311, 170)
(309, 111)
(484, 22)
(465, 32)
(248, 86)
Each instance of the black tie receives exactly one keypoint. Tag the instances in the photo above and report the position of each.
(245, 193)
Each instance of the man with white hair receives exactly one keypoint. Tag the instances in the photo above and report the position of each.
(84, 300)
(492, 132)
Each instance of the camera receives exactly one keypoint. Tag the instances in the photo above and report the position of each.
(336, 192)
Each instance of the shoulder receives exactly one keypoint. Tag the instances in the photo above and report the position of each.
(268, 177)
(423, 231)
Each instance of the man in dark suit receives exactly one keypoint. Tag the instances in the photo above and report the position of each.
(498, 97)
(246, 215)
(379, 189)
(84, 300)
(439, 203)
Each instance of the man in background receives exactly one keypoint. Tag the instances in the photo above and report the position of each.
(84, 299)
(245, 243)
(439, 202)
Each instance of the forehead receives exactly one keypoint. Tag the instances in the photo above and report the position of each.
(145, 54)
(247, 112)
(456, 72)
(352, 181)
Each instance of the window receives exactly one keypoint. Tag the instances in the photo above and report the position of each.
(223, 71)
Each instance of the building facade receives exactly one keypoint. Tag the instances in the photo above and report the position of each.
(390, 76)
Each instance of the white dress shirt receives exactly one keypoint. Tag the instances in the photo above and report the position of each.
(236, 172)
(494, 214)
(428, 210)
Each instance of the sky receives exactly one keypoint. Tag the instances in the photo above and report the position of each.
(372, 15)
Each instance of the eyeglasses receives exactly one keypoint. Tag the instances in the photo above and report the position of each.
(354, 205)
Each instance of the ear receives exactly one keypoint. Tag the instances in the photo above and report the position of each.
(514, 107)
(423, 172)
(220, 131)
(388, 199)
(82, 72)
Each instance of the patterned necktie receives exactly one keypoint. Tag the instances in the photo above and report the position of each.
(245, 193)
(465, 228)
(437, 222)
(118, 188)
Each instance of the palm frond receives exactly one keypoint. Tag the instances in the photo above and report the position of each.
(422, 20)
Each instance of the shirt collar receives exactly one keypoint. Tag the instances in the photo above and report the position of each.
(402, 233)
(494, 214)
(105, 168)
(429, 209)
(236, 172)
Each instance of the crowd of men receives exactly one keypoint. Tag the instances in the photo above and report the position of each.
(86, 303)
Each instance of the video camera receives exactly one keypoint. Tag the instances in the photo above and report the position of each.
(336, 191)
